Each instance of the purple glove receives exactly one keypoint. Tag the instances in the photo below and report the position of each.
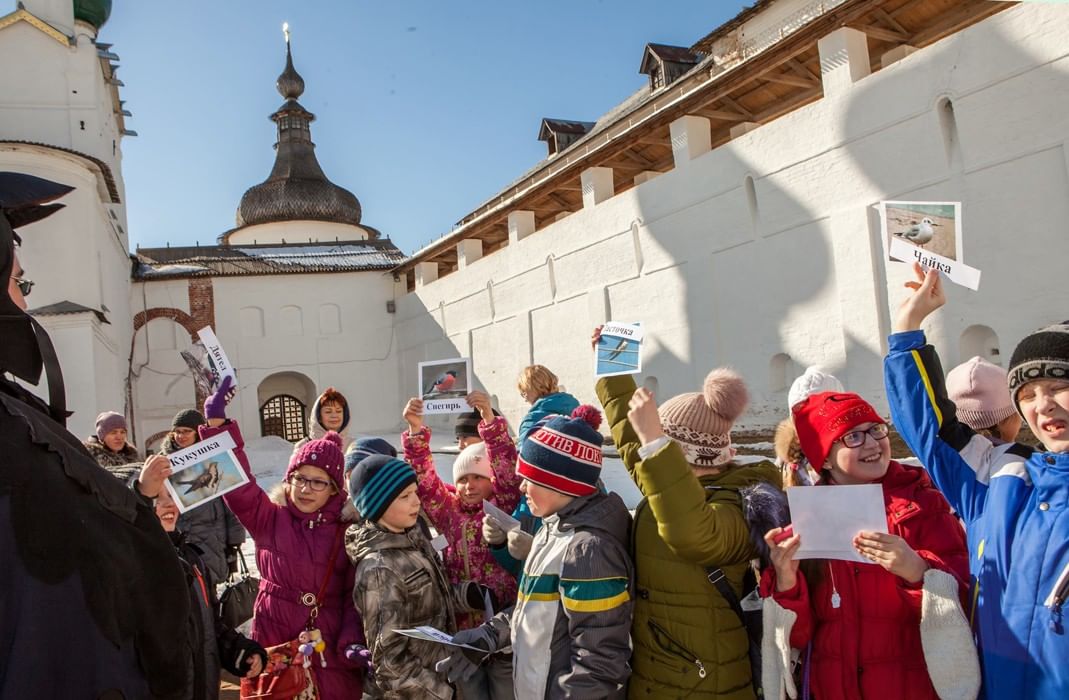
(215, 405)
(361, 656)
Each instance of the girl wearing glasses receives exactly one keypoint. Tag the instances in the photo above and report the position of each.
(863, 620)
(298, 532)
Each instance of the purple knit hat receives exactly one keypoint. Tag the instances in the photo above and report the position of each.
(108, 421)
(324, 453)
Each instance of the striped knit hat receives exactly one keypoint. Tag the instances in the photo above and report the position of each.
(701, 422)
(375, 483)
(564, 454)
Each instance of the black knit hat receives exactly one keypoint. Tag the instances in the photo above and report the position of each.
(1042, 355)
(375, 483)
(467, 424)
(189, 418)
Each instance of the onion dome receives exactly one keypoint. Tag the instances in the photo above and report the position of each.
(296, 189)
(95, 12)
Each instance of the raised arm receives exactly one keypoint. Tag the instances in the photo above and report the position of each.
(440, 504)
(960, 462)
(248, 502)
(614, 393)
(502, 454)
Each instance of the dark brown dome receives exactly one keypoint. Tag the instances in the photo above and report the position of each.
(297, 189)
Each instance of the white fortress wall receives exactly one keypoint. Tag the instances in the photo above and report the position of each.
(788, 271)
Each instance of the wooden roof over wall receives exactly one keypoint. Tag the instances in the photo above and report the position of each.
(634, 137)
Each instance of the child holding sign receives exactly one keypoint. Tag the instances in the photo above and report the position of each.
(1013, 498)
(864, 620)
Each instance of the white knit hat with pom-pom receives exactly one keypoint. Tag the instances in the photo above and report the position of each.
(701, 422)
(813, 381)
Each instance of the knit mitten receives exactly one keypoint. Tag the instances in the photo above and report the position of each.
(519, 544)
(947, 640)
(776, 677)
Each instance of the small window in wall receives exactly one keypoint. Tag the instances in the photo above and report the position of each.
(329, 319)
(979, 341)
(284, 416)
(781, 372)
(289, 320)
(252, 322)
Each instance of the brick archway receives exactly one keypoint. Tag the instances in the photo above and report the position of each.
(177, 315)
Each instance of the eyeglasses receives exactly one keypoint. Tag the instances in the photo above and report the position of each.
(23, 284)
(315, 485)
(857, 438)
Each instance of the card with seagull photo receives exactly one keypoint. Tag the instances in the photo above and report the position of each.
(203, 472)
(935, 227)
(619, 350)
(443, 384)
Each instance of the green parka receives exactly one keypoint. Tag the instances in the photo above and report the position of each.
(687, 641)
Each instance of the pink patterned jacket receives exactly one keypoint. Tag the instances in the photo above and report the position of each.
(467, 557)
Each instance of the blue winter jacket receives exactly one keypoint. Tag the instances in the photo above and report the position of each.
(558, 404)
(1015, 503)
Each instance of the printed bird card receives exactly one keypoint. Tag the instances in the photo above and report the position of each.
(207, 362)
(203, 472)
(619, 350)
(928, 233)
(443, 384)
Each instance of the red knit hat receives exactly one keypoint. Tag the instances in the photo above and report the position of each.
(823, 418)
(324, 453)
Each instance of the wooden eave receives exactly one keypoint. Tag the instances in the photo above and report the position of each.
(23, 15)
(778, 80)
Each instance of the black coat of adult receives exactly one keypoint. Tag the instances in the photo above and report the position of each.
(93, 601)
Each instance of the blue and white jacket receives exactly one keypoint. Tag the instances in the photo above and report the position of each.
(1015, 504)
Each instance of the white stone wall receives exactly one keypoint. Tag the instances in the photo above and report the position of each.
(768, 245)
(324, 329)
(297, 232)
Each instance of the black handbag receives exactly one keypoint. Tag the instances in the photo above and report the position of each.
(239, 594)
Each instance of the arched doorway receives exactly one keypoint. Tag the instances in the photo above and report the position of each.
(285, 416)
(284, 398)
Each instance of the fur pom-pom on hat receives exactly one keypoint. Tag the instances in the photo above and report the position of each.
(726, 393)
(701, 422)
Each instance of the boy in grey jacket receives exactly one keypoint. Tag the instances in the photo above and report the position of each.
(400, 583)
(570, 628)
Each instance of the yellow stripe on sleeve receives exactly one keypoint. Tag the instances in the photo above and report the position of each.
(928, 387)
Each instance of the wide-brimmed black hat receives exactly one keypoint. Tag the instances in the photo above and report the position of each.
(27, 348)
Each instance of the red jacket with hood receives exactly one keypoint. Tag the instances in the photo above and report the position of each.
(870, 646)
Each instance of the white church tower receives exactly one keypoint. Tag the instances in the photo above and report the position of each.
(61, 118)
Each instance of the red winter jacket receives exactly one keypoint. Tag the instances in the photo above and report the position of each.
(870, 646)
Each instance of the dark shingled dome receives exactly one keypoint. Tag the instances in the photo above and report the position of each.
(296, 189)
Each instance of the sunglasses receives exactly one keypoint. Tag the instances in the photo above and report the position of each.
(24, 285)
(857, 438)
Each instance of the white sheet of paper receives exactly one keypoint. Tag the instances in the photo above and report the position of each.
(829, 517)
(956, 272)
(505, 521)
(430, 634)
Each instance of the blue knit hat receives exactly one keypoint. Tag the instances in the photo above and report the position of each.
(564, 454)
(365, 447)
(375, 483)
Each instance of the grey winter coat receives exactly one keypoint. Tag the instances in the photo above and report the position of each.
(571, 628)
(211, 527)
(400, 584)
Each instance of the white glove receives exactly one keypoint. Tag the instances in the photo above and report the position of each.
(493, 533)
(519, 544)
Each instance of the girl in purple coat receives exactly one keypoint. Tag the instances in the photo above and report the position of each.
(295, 531)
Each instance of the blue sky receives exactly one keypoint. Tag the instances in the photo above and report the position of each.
(424, 108)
